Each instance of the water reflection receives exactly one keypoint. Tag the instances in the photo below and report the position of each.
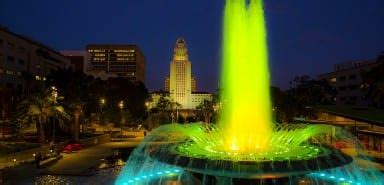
(106, 177)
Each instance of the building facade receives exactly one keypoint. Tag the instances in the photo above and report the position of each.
(77, 59)
(346, 78)
(106, 61)
(180, 84)
(23, 62)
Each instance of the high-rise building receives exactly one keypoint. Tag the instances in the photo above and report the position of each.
(346, 78)
(106, 61)
(23, 63)
(180, 84)
(193, 83)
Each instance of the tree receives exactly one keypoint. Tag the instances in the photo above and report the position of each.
(77, 111)
(303, 94)
(206, 110)
(41, 108)
(164, 104)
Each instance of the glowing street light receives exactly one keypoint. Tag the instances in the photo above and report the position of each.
(121, 106)
(102, 103)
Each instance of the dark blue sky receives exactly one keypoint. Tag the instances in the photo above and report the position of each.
(305, 37)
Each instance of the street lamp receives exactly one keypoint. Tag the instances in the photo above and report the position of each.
(121, 106)
(147, 106)
(102, 103)
(54, 95)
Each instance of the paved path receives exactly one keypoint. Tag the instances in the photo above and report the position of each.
(76, 163)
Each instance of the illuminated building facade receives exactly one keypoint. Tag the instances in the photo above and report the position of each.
(180, 84)
(106, 61)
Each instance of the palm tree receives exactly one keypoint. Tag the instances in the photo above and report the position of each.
(177, 106)
(77, 111)
(206, 109)
(40, 108)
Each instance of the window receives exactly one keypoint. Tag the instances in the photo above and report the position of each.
(10, 58)
(342, 78)
(11, 45)
(21, 62)
(334, 79)
(22, 49)
(352, 77)
(353, 87)
(9, 72)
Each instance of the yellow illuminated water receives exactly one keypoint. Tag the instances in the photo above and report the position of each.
(246, 115)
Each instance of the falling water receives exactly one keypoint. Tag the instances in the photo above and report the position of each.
(246, 117)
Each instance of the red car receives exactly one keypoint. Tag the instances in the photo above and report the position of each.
(71, 147)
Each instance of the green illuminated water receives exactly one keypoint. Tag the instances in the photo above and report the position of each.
(246, 117)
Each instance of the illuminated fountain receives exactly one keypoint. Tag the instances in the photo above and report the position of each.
(245, 145)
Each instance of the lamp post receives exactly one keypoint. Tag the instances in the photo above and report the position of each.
(121, 106)
(102, 103)
(54, 95)
(147, 106)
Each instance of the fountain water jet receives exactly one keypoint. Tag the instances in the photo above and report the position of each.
(246, 117)
(245, 144)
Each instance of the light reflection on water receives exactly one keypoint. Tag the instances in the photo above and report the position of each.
(104, 177)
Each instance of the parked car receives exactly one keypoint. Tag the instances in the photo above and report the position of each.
(71, 147)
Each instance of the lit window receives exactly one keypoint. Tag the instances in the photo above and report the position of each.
(334, 79)
(9, 72)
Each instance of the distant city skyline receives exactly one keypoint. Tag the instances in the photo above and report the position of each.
(304, 38)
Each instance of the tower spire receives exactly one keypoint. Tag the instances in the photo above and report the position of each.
(181, 50)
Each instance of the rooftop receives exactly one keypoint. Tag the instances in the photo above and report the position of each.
(365, 114)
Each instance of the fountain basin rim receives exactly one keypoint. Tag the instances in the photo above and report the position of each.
(246, 169)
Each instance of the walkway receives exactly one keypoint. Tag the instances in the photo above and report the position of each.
(77, 163)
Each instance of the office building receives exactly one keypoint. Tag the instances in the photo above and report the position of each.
(107, 61)
(23, 63)
(346, 78)
(180, 84)
(77, 60)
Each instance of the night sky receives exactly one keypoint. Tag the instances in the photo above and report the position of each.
(305, 36)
